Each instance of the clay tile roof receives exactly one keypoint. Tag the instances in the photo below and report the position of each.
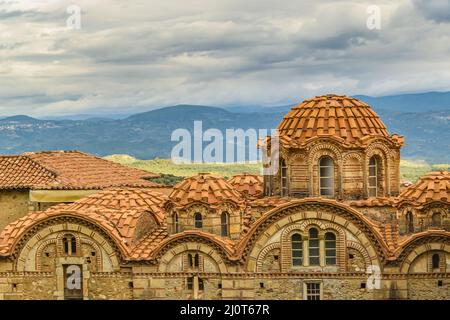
(341, 117)
(434, 186)
(122, 200)
(205, 188)
(249, 185)
(67, 170)
(373, 202)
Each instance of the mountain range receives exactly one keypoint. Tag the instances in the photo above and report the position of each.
(422, 118)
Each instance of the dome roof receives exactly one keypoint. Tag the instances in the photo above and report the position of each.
(249, 185)
(331, 115)
(434, 186)
(206, 188)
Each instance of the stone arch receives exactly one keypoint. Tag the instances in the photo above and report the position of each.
(180, 248)
(32, 240)
(381, 150)
(331, 211)
(40, 250)
(421, 249)
(98, 256)
(262, 255)
(358, 247)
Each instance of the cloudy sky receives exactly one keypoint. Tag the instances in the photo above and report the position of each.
(141, 54)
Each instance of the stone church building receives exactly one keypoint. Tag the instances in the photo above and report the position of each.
(333, 223)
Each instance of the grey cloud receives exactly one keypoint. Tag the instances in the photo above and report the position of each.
(437, 10)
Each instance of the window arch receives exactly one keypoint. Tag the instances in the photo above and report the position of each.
(374, 176)
(409, 222)
(284, 178)
(314, 247)
(225, 224)
(435, 261)
(330, 248)
(297, 249)
(198, 220)
(326, 176)
(193, 260)
(436, 219)
(69, 243)
(176, 226)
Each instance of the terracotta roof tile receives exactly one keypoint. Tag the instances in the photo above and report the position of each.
(434, 186)
(331, 115)
(373, 202)
(67, 170)
(249, 185)
(206, 188)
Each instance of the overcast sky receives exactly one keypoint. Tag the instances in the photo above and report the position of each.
(145, 54)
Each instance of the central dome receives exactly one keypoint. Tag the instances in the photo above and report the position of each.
(332, 115)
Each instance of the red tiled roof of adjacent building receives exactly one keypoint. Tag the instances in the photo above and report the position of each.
(434, 186)
(205, 188)
(345, 118)
(70, 170)
(249, 185)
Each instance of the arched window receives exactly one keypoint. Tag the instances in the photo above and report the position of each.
(435, 261)
(198, 220)
(176, 227)
(326, 176)
(330, 248)
(373, 177)
(314, 249)
(409, 222)
(284, 178)
(69, 245)
(436, 220)
(297, 249)
(196, 260)
(201, 286)
(224, 224)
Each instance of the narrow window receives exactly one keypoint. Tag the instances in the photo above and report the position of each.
(196, 260)
(373, 177)
(190, 283)
(73, 243)
(409, 222)
(435, 261)
(175, 223)
(314, 256)
(190, 260)
(330, 248)
(198, 220)
(69, 243)
(313, 291)
(284, 178)
(224, 225)
(201, 286)
(436, 219)
(65, 245)
(326, 176)
(297, 250)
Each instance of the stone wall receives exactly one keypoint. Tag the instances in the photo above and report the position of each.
(111, 286)
(429, 289)
(13, 205)
(27, 286)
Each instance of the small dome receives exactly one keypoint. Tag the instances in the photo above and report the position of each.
(434, 186)
(206, 188)
(332, 115)
(249, 185)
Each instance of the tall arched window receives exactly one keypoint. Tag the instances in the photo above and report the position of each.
(326, 176)
(409, 222)
(297, 249)
(176, 227)
(373, 177)
(435, 261)
(198, 220)
(330, 248)
(190, 260)
(314, 249)
(196, 260)
(436, 220)
(284, 178)
(224, 224)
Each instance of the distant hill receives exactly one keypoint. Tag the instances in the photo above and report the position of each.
(147, 135)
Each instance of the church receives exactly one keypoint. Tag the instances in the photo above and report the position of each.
(333, 223)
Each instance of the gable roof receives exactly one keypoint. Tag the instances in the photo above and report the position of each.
(71, 170)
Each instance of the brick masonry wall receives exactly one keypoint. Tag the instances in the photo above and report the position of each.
(13, 205)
